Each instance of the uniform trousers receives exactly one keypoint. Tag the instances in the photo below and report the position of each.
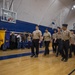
(59, 48)
(72, 49)
(54, 46)
(46, 47)
(35, 44)
(65, 47)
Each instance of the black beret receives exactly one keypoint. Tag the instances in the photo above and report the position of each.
(71, 30)
(58, 27)
(65, 25)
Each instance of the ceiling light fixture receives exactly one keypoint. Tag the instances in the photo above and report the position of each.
(74, 6)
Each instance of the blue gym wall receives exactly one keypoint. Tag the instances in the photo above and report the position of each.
(21, 26)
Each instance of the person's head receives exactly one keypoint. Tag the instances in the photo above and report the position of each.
(59, 29)
(46, 30)
(64, 26)
(72, 32)
(29, 34)
(55, 31)
(12, 33)
(37, 27)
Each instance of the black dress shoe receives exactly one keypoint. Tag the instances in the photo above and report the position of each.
(44, 54)
(65, 60)
(56, 55)
(62, 59)
(74, 54)
(54, 51)
(36, 56)
(32, 56)
(70, 56)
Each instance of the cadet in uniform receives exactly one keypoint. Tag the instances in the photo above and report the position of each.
(36, 35)
(65, 41)
(54, 43)
(72, 44)
(59, 41)
(47, 38)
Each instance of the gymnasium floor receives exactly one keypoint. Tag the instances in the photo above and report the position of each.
(43, 65)
(17, 51)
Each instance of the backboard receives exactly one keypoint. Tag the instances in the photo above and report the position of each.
(8, 16)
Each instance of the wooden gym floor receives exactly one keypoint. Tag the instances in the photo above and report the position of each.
(43, 65)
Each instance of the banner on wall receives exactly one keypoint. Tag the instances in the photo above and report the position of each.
(54, 25)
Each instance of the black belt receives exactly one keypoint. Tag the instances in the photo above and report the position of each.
(65, 40)
(35, 39)
(59, 39)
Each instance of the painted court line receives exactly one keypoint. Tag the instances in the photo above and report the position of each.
(16, 55)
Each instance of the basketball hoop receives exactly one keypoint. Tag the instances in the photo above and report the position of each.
(8, 16)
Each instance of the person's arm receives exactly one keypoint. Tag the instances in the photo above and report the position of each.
(74, 39)
(49, 35)
(52, 36)
(32, 35)
(55, 37)
(43, 36)
(69, 34)
(40, 34)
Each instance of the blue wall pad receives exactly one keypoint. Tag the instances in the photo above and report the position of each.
(21, 26)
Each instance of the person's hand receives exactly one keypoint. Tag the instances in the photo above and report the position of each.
(39, 41)
(74, 43)
(69, 43)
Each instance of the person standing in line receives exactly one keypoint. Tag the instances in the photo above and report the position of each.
(36, 35)
(19, 39)
(59, 41)
(72, 44)
(29, 40)
(47, 38)
(23, 38)
(12, 40)
(65, 41)
(54, 43)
